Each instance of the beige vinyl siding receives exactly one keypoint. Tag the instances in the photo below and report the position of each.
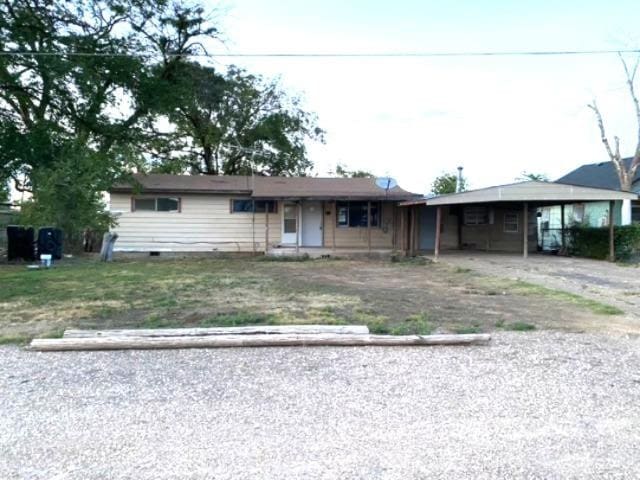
(352, 237)
(204, 224)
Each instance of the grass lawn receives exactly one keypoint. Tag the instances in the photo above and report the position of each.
(397, 298)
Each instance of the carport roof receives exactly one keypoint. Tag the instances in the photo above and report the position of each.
(532, 191)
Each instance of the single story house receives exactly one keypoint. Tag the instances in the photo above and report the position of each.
(504, 218)
(189, 213)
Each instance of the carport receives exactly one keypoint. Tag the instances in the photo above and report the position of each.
(499, 218)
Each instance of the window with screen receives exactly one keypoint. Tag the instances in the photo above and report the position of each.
(511, 222)
(635, 212)
(246, 205)
(476, 216)
(356, 214)
(156, 204)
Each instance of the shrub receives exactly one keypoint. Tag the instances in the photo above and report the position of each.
(593, 242)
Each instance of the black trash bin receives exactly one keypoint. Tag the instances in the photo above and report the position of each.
(20, 243)
(50, 242)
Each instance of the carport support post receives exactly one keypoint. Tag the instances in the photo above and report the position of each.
(436, 251)
(266, 228)
(564, 246)
(298, 222)
(525, 229)
(369, 226)
(612, 243)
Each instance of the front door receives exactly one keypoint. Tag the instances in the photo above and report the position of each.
(311, 224)
(427, 228)
(290, 224)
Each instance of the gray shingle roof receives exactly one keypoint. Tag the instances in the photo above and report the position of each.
(266, 187)
(598, 175)
(530, 191)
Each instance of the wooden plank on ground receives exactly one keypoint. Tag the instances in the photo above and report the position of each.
(259, 340)
(199, 332)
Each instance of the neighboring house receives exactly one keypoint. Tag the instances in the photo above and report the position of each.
(595, 214)
(188, 213)
(603, 175)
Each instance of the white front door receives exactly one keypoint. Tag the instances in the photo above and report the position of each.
(290, 224)
(311, 224)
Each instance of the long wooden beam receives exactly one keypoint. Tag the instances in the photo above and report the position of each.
(227, 341)
(200, 332)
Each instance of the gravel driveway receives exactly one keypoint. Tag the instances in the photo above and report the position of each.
(602, 281)
(536, 405)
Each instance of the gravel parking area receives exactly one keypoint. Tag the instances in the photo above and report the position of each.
(535, 405)
(612, 283)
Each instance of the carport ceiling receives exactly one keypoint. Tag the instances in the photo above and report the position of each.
(534, 192)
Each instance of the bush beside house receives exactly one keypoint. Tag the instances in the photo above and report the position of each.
(593, 242)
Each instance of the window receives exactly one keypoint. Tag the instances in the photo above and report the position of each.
(247, 205)
(156, 204)
(635, 212)
(290, 219)
(511, 222)
(354, 214)
(476, 216)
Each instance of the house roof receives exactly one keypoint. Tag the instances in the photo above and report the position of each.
(159, 182)
(313, 187)
(599, 175)
(533, 191)
(265, 187)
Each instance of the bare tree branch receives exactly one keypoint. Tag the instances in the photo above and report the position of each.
(626, 175)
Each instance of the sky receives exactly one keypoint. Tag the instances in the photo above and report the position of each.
(415, 118)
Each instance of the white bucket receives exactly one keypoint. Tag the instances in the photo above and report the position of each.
(45, 260)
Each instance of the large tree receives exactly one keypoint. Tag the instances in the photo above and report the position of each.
(79, 84)
(626, 170)
(231, 123)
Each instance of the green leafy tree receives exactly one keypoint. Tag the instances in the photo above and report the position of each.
(5, 194)
(70, 197)
(447, 183)
(234, 123)
(75, 82)
(341, 171)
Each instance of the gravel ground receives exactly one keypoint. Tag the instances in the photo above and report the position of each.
(607, 282)
(536, 405)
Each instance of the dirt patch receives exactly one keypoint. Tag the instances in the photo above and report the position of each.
(193, 292)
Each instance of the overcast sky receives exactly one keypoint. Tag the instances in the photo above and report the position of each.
(414, 118)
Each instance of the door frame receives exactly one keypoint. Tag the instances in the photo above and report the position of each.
(322, 206)
(298, 223)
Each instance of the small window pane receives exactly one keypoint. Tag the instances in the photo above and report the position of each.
(165, 204)
(511, 222)
(242, 206)
(475, 216)
(261, 206)
(635, 212)
(358, 214)
(343, 214)
(144, 204)
(375, 214)
(247, 205)
(289, 225)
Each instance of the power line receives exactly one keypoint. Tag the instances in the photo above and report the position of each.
(514, 53)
